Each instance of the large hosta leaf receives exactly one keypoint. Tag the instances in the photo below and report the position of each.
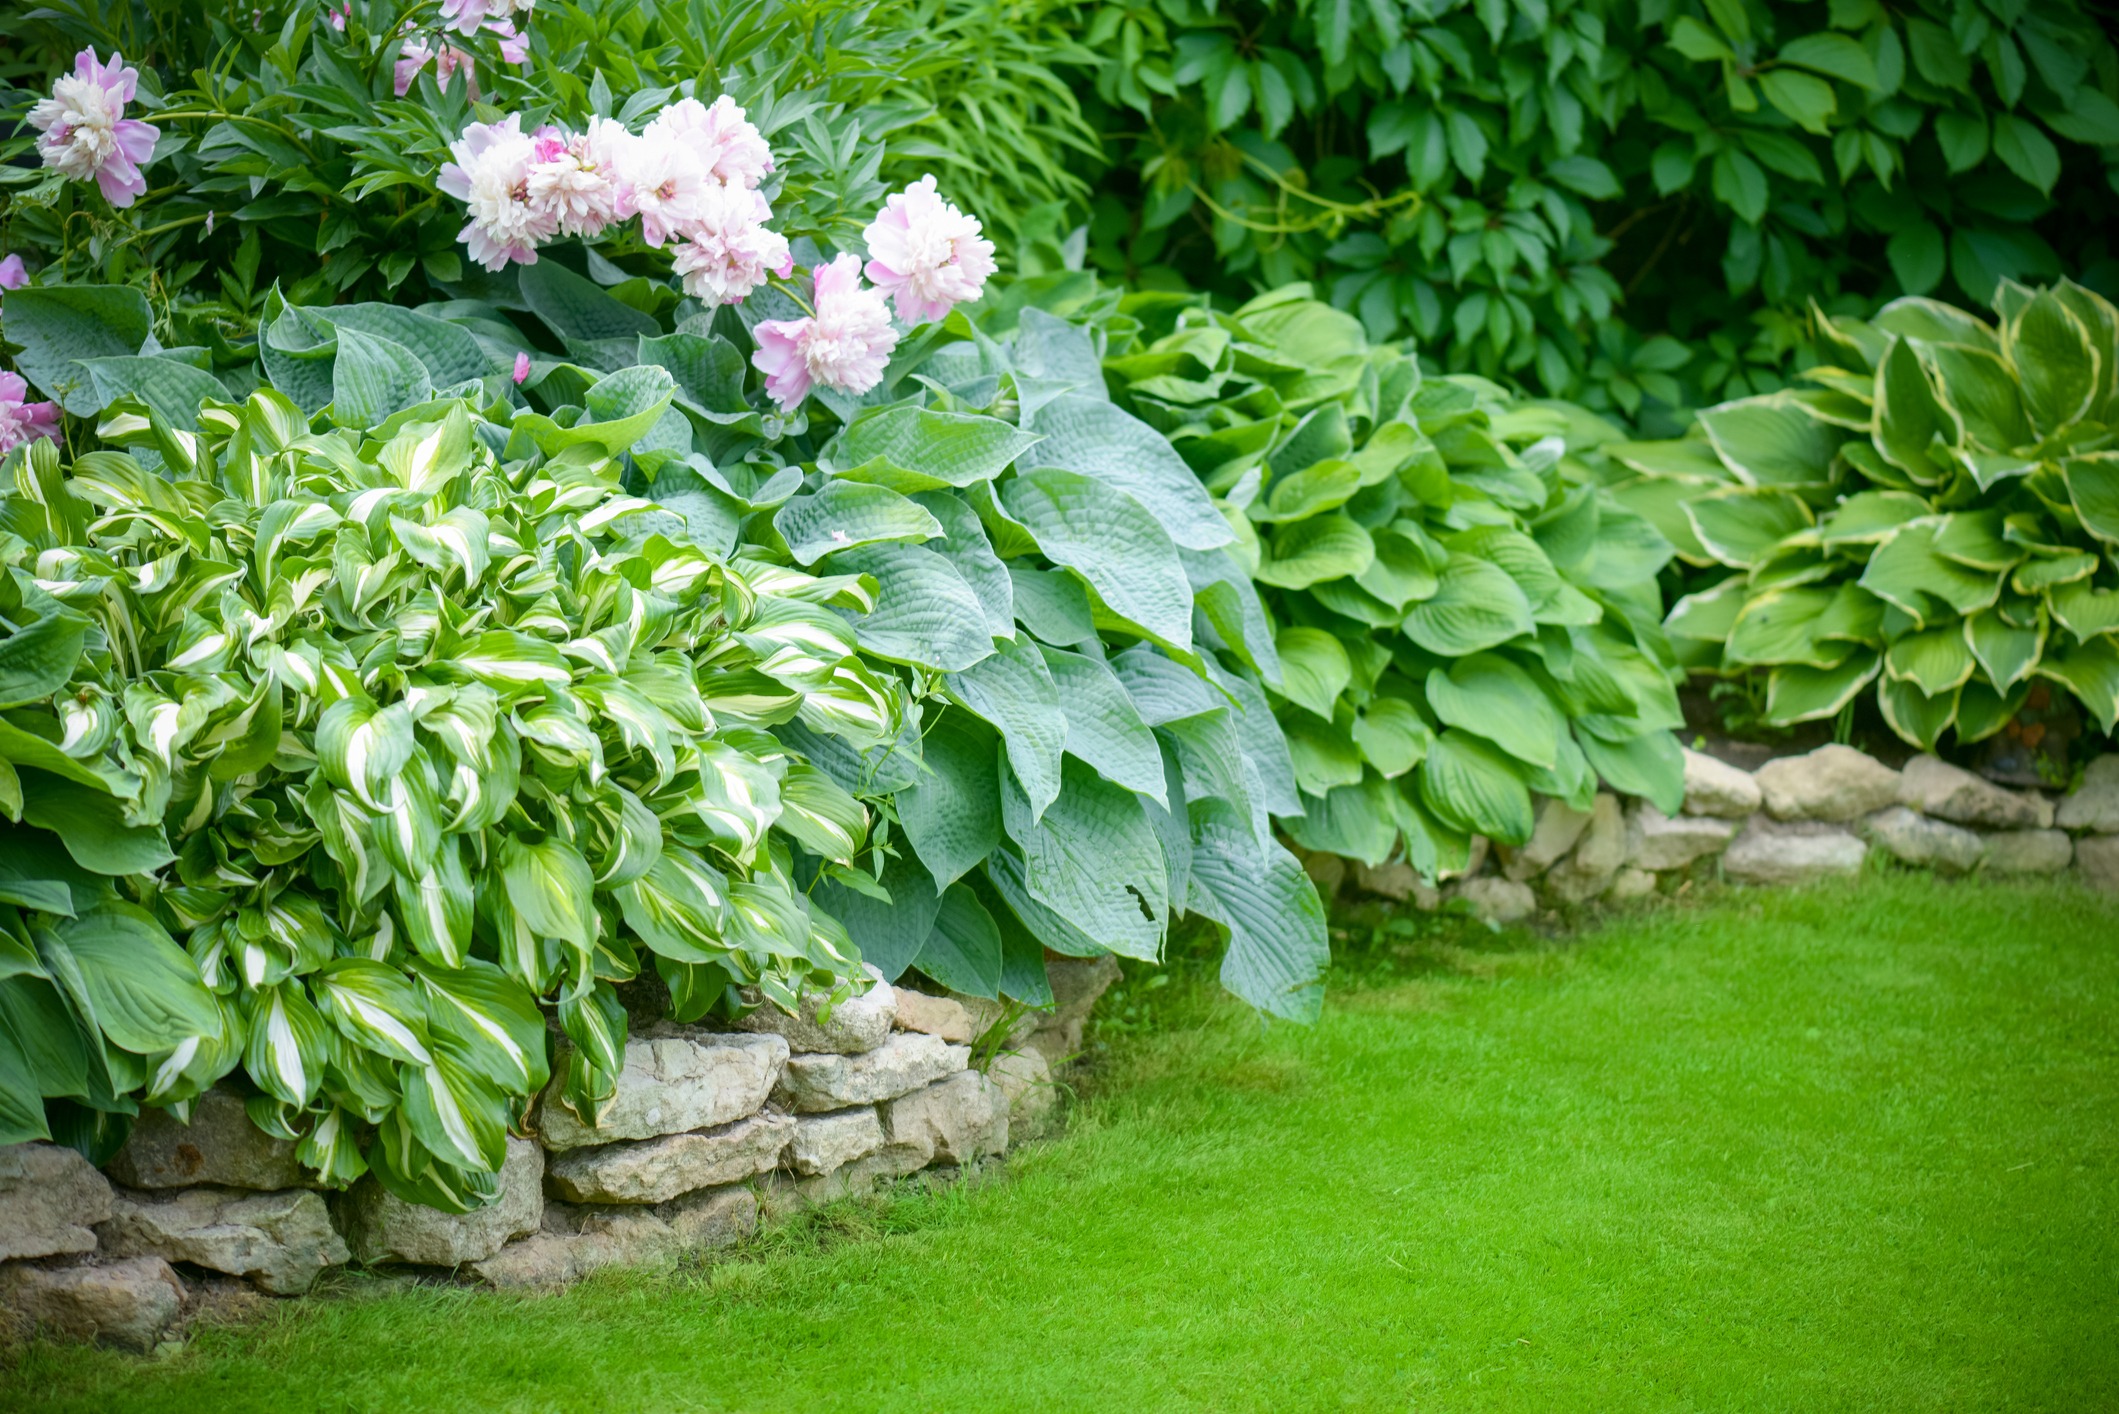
(925, 613)
(1093, 858)
(1014, 692)
(1104, 727)
(1477, 606)
(1092, 438)
(1489, 696)
(1277, 945)
(1112, 542)
(1472, 785)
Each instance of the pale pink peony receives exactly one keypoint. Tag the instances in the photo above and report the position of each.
(664, 180)
(13, 273)
(574, 178)
(522, 369)
(926, 254)
(726, 251)
(340, 16)
(414, 56)
(466, 16)
(491, 175)
(84, 133)
(726, 143)
(22, 421)
(844, 345)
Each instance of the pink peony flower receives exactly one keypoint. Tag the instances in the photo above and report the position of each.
(491, 175)
(926, 254)
(13, 274)
(84, 133)
(727, 252)
(664, 179)
(514, 49)
(22, 421)
(522, 369)
(340, 16)
(844, 345)
(574, 178)
(726, 143)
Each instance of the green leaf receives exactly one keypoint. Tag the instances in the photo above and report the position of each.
(2091, 672)
(1806, 99)
(1741, 526)
(374, 1007)
(125, 974)
(1963, 139)
(1740, 185)
(1093, 438)
(1651, 767)
(1477, 605)
(1918, 257)
(1937, 660)
(2026, 151)
(890, 933)
(1309, 552)
(2051, 351)
(1014, 692)
(845, 514)
(56, 325)
(962, 950)
(1104, 728)
(1314, 669)
(456, 1114)
(173, 391)
(1474, 787)
(1278, 948)
(1839, 56)
(37, 659)
(1093, 858)
(487, 1022)
(577, 308)
(951, 448)
(1772, 441)
(1491, 697)
(2093, 488)
(1113, 543)
(925, 613)
(551, 889)
(1807, 694)
(372, 378)
(288, 1044)
(92, 826)
(1392, 736)
(952, 814)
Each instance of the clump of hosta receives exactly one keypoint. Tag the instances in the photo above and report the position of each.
(402, 741)
(83, 133)
(1936, 515)
(692, 179)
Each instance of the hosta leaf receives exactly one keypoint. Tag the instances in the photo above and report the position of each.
(2090, 671)
(2051, 351)
(59, 324)
(2084, 611)
(1477, 605)
(92, 826)
(2005, 652)
(1780, 626)
(970, 554)
(1740, 527)
(1392, 735)
(1093, 438)
(952, 813)
(288, 1044)
(457, 1114)
(1771, 441)
(1936, 660)
(126, 976)
(594, 1020)
(1908, 414)
(374, 1007)
(1104, 728)
(820, 814)
(1981, 389)
(1913, 714)
(1308, 552)
(2093, 487)
(925, 613)
(1093, 858)
(1710, 613)
(509, 662)
(890, 933)
(1910, 571)
(1278, 948)
(1323, 754)
(845, 514)
(1868, 517)
(1473, 786)
(677, 908)
(1488, 696)
(1113, 543)
(1354, 821)
(1314, 669)
(962, 950)
(550, 887)
(373, 377)
(954, 448)
(1649, 766)
(487, 1022)
(1805, 694)
(1014, 692)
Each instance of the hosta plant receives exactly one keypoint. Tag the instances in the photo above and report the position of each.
(1935, 515)
(402, 733)
(1465, 619)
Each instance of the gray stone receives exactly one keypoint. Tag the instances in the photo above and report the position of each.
(1766, 852)
(1630, 884)
(2095, 804)
(1915, 839)
(676, 1079)
(945, 1017)
(813, 1084)
(1394, 881)
(1498, 900)
(1076, 984)
(381, 1227)
(1657, 841)
(657, 1170)
(586, 1240)
(824, 1142)
(2029, 852)
(219, 1146)
(1026, 1083)
(1936, 788)
(1559, 826)
(1475, 857)
(282, 1241)
(1832, 783)
(1326, 871)
(1597, 856)
(2097, 856)
(49, 1199)
(951, 1121)
(858, 1023)
(130, 1303)
(1719, 789)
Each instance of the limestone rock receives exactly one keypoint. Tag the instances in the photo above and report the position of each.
(858, 1023)
(1795, 853)
(813, 1084)
(657, 1170)
(824, 1142)
(49, 1198)
(282, 1241)
(2097, 856)
(1326, 871)
(1475, 856)
(945, 1017)
(1832, 783)
(1719, 789)
(1915, 839)
(1631, 884)
(2095, 804)
(1498, 900)
(676, 1079)
(130, 1303)
(1657, 841)
(2029, 852)
(1559, 826)
(1394, 881)
(1936, 788)
(220, 1146)
(1026, 1082)
(951, 1121)
(585, 1240)
(1597, 857)
(381, 1227)
(1076, 984)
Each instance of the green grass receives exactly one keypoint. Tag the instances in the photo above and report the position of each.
(1848, 1149)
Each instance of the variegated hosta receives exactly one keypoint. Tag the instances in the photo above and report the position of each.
(402, 734)
(1936, 515)
(1466, 621)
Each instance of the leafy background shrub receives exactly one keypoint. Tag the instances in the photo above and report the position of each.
(1626, 204)
(1935, 514)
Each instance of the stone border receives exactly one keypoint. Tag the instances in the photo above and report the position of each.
(707, 1134)
(1795, 820)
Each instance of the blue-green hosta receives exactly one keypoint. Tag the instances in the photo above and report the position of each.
(1936, 516)
(401, 732)
(1466, 620)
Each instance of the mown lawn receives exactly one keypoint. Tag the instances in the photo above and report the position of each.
(1848, 1149)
